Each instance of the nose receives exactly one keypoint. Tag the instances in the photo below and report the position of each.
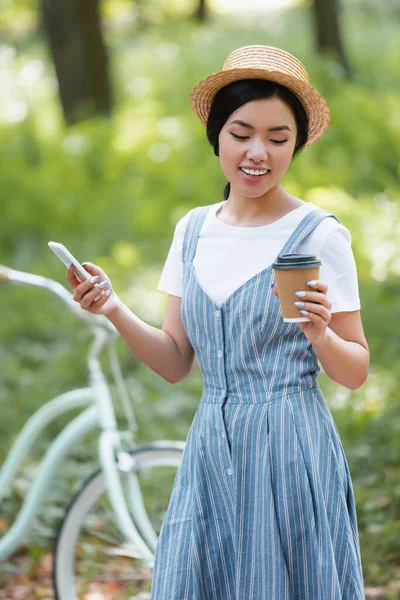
(257, 150)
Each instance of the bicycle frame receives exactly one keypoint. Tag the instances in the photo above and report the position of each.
(71, 434)
(99, 414)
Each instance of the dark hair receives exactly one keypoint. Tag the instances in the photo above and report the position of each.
(235, 94)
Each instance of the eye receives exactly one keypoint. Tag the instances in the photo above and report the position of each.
(279, 141)
(240, 137)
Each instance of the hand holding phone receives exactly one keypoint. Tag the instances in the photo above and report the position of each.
(97, 298)
(66, 257)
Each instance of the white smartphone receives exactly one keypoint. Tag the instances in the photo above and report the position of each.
(66, 257)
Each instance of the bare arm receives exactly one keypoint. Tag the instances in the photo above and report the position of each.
(167, 351)
(343, 352)
(338, 339)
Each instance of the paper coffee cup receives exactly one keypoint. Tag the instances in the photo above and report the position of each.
(292, 271)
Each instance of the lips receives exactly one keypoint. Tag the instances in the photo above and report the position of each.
(253, 179)
(254, 172)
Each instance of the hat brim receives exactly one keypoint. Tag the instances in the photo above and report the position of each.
(316, 108)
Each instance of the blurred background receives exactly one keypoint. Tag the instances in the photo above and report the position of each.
(100, 150)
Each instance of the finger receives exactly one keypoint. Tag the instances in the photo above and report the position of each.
(317, 311)
(98, 303)
(72, 278)
(317, 284)
(314, 319)
(92, 269)
(90, 297)
(274, 289)
(94, 294)
(85, 287)
(316, 297)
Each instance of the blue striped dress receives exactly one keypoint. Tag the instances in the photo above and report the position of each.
(262, 507)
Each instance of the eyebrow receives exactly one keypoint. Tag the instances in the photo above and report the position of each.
(244, 124)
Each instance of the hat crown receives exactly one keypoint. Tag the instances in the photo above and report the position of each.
(268, 58)
(270, 64)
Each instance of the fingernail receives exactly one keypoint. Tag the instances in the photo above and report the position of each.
(94, 279)
(299, 304)
(300, 294)
(109, 292)
(311, 283)
(103, 283)
(69, 265)
(84, 263)
(304, 312)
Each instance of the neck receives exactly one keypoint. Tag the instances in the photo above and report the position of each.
(242, 211)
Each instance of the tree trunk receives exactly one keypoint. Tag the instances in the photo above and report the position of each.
(328, 32)
(201, 11)
(73, 29)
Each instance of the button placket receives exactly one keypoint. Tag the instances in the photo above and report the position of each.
(220, 353)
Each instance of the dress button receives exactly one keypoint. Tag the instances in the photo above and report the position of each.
(229, 471)
(223, 435)
(220, 353)
(217, 313)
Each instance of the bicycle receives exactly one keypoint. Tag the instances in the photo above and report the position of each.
(112, 524)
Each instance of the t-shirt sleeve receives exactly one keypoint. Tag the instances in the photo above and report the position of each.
(171, 280)
(339, 271)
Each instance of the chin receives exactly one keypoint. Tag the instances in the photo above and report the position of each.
(254, 194)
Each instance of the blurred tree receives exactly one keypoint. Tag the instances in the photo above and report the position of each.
(328, 32)
(73, 29)
(201, 11)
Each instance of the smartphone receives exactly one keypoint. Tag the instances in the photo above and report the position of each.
(66, 257)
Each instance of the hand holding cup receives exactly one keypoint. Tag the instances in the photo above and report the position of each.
(302, 295)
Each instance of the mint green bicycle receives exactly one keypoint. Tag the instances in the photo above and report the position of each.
(110, 529)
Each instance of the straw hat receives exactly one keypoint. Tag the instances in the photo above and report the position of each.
(264, 62)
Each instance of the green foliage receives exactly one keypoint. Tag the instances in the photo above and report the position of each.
(112, 191)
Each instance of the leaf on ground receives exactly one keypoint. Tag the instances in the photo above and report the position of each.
(46, 564)
(4, 526)
(374, 592)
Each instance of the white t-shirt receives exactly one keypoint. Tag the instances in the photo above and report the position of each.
(227, 256)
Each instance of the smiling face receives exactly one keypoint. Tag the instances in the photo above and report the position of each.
(256, 146)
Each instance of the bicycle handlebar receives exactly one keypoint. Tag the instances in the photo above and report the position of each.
(8, 274)
(4, 272)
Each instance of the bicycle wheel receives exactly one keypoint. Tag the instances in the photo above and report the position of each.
(92, 558)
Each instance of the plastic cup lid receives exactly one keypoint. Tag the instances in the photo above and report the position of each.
(295, 261)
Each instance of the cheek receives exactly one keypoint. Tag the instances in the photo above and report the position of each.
(284, 157)
(228, 154)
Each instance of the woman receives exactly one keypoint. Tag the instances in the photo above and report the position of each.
(262, 507)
